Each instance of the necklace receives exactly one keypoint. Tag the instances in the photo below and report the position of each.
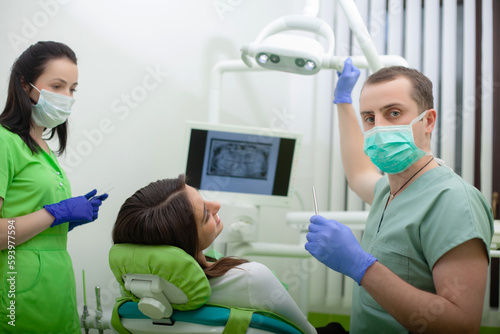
(391, 196)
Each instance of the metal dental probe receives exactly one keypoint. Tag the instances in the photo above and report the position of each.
(315, 202)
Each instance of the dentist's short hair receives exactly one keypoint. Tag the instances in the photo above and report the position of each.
(422, 86)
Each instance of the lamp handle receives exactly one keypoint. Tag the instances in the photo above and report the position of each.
(302, 23)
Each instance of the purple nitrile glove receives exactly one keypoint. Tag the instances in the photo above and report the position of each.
(334, 245)
(346, 82)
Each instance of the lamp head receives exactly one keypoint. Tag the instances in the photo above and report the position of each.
(275, 50)
(288, 53)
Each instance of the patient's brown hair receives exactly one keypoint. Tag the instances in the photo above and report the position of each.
(162, 214)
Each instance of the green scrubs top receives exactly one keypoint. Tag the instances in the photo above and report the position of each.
(37, 293)
(436, 213)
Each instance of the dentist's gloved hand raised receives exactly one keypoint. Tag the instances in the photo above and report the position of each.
(346, 82)
(76, 210)
(333, 244)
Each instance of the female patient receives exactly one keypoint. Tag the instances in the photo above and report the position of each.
(169, 212)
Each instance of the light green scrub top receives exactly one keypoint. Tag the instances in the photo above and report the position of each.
(436, 213)
(43, 289)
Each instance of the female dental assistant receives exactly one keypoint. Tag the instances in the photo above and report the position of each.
(37, 287)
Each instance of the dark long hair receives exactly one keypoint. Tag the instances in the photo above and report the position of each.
(162, 214)
(16, 115)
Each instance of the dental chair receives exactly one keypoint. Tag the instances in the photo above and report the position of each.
(164, 290)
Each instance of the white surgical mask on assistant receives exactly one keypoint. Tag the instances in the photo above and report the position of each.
(52, 109)
(392, 148)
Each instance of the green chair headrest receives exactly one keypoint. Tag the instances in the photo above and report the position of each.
(168, 262)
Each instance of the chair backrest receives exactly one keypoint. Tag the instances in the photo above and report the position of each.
(161, 281)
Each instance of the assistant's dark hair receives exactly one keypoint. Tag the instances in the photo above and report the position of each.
(16, 115)
(162, 214)
(422, 86)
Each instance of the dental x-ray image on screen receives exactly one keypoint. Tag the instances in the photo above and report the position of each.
(242, 162)
(237, 162)
(239, 159)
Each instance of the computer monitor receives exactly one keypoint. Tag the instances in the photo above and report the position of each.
(242, 165)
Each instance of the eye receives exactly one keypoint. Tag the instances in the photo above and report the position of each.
(394, 113)
(206, 215)
(369, 119)
(73, 90)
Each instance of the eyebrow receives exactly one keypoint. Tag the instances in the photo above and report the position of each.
(384, 108)
(205, 214)
(64, 81)
(389, 106)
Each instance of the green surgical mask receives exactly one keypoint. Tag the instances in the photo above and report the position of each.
(392, 148)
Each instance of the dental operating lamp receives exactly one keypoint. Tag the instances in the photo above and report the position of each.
(275, 50)
(291, 53)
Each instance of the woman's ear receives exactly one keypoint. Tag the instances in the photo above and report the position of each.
(26, 86)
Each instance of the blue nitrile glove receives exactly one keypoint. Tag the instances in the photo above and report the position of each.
(346, 82)
(76, 210)
(96, 202)
(334, 245)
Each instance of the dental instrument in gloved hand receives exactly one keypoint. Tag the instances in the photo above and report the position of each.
(315, 202)
(346, 82)
(334, 245)
(76, 210)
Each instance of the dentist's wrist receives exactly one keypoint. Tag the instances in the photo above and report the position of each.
(369, 273)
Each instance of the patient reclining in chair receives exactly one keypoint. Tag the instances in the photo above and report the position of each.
(170, 212)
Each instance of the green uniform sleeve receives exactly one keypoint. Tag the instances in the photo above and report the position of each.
(6, 165)
(459, 213)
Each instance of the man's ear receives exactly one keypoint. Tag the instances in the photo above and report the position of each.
(430, 120)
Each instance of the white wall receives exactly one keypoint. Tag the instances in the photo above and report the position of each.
(126, 127)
